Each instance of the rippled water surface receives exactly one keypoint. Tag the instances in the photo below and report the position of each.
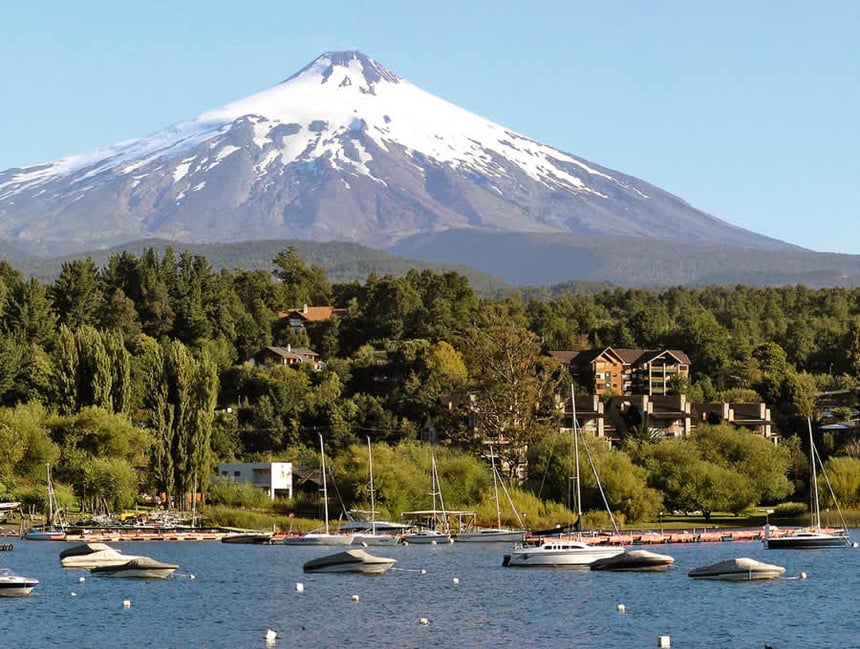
(238, 592)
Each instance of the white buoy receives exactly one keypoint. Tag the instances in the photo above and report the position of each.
(73, 594)
(456, 580)
(126, 603)
(664, 642)
(82, 579)
(802, 575)
(300, 587)
(621, 608)
(423, 620)
(355, 598)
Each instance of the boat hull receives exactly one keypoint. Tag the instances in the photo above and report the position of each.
(42, 535)
(559, 554)
(428, 538)
(139, 568)
(492, 536)
(247, 539)
(317, 539)
(375, 539)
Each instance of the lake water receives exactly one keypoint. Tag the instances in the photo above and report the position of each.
(238, 592)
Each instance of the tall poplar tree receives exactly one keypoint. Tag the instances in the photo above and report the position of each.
(181, 402)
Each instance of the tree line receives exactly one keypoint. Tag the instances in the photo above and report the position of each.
(132, 376)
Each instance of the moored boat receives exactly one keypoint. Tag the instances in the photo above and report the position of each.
(317, 538)
(557, 552)
(325, 537)
(812, 537)
(807, 539)
(12, 585)
(497, 534)
(740, 569)
(137, 568)
(634, 561)
(350, 561)
(371, 538)
(552, 553)
(492, 535)
(428, 537)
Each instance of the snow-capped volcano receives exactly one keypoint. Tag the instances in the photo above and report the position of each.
(342, 150)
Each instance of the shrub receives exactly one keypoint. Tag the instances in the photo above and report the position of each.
(225, 492)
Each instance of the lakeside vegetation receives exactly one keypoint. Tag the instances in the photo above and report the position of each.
(131, 379)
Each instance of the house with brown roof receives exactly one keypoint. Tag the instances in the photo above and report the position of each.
(626, 371)
(300, 318)
(289, 356)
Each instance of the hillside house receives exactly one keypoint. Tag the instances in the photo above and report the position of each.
(289, 356)
(299, 319)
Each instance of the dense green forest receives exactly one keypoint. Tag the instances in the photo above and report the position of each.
(132, 378)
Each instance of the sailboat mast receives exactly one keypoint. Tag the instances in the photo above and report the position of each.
(496, 489)
(816, 512)
(372, 500)
(50, 496)
(577, 494)
(325, 488)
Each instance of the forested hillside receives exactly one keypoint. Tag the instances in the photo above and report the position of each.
(132, 376)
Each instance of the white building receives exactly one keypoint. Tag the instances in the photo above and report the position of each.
(274, 477)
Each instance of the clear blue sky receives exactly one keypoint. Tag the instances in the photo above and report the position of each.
(749, 110)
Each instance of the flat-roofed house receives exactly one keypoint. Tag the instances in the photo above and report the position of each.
(275, 477)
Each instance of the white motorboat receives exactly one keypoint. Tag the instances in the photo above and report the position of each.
(12, 585)
(741, 569)
(634, 561)
(350, 561)
(93, 555)
(137, 568)
(559, 554)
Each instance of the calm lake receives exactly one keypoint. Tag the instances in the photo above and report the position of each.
(230, 595)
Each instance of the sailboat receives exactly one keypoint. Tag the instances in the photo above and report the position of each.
(564, 553)
(496, 534)
(325, 537)
(437, 518)
(814, 536)
(371, 535)
(54, 529)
